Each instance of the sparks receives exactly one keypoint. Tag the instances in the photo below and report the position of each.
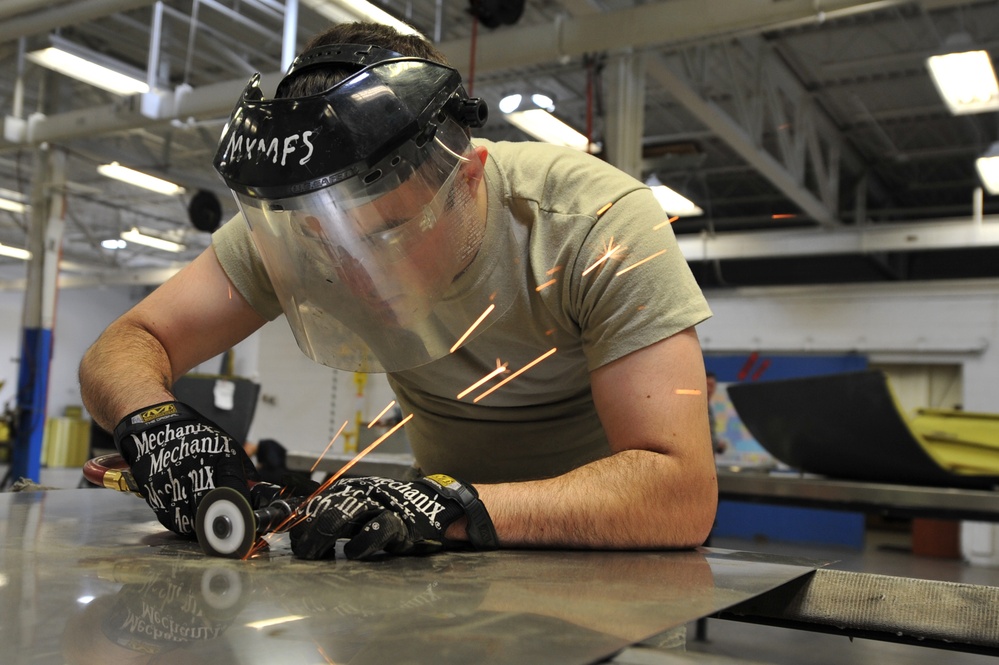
(296, 515)
(612, 249)
(688, 391)
(379, 416)
(318, 459)
(540, 287)
(635, 265)
(500, 369)
(554, 270)
(461, 340)
(517, 373)
(604, 209)
(357, 458)
(666, 223)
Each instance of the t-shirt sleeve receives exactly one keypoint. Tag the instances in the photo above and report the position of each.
(632, 286)
(240, 260)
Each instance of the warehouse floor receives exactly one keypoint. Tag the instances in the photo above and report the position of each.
(886, 552)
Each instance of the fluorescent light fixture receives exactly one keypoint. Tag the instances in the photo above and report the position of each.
(12, 201)
(988, 169)
(138, 237)
(15, 252)
(138, 178)
(113, 243)
(532, 115)
(966, 81)
(672, 202)
(90, 67)
(345, 11)
(13, 206)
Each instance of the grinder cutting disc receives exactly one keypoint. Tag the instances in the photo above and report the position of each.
(226, 525)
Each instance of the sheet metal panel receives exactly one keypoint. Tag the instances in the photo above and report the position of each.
(88, 576)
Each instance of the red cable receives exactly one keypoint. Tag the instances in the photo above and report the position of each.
(471, 64)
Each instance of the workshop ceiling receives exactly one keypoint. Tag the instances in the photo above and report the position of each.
(809, 131)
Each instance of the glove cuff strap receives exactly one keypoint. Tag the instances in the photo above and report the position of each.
(480, 529)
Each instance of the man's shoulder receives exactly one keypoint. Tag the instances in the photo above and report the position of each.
(557, 177)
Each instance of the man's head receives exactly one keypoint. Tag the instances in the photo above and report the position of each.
(371, 34)
(361, 187)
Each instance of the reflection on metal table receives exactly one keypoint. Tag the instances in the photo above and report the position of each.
(88, 576)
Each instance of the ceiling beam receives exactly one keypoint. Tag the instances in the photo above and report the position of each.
(68, 14)
(676, 21)
(941, 234)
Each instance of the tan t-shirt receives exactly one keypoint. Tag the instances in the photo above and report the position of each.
(597, 274)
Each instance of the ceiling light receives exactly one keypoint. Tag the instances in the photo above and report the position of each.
(672, 202)
(90, 67)
(13, 206)
(113, 243)
(138, 178)
(15, 252)
(988, 169)
(966, 81)
(532, 114)
(138, 237)
(13, 201)
(346, 11)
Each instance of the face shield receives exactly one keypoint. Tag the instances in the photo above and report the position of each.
(360, 205)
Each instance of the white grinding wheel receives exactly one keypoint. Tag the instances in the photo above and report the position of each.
(225, 525)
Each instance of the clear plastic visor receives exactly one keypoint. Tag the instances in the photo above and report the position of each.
(361, 270)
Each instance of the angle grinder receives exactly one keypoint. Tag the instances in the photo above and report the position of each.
(227, 526)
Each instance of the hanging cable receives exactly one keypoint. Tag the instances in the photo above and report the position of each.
(471, 56)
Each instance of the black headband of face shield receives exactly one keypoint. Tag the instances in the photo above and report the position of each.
(469, 111)
(387, 103)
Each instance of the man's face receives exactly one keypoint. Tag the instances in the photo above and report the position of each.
(398, 253)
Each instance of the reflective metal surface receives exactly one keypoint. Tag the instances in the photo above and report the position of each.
(87, 576)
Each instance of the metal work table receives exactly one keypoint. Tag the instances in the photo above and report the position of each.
(88, 576)
(885, 498)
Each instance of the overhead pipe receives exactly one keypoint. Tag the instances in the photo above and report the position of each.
(68, 14)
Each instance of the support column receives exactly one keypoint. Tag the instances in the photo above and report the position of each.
(45, 245)
(626, 112)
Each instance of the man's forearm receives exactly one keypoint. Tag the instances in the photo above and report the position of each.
(633, 499)
(124, 370)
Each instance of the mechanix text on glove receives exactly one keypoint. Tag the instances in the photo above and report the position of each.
(176, 457)
(381, 514)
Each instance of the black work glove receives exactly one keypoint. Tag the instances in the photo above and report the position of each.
(381, 514)
(176, 456)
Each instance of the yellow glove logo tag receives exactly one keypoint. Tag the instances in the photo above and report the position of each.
(158, 412)
(441, 479)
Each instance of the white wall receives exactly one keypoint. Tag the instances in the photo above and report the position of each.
(81, 315)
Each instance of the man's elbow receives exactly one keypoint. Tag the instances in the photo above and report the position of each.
(699, 509)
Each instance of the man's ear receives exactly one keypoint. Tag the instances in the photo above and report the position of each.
(474, 169)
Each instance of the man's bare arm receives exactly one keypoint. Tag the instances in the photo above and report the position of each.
(659, 488)
(194, 316)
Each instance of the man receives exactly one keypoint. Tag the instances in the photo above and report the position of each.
(528, 302)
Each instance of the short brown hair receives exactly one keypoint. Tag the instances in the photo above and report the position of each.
(314, 81)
